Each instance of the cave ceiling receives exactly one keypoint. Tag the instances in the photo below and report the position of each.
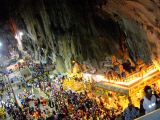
(60, 31)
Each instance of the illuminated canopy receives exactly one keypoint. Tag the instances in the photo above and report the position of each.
(128, 85)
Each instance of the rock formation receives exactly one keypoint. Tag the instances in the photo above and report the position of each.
(60, 31)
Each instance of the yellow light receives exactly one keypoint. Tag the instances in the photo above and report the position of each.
(21, 60)
(73, 61)
(100, 77)
(132, 79)
(157, 64)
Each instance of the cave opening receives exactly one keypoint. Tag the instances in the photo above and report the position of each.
(93, 34)
(103, 50)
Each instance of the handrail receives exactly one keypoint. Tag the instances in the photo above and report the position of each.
(139, 74)
(155, 115)
(134, 77)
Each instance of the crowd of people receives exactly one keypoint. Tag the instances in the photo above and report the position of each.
(70, 105)
(62, 104)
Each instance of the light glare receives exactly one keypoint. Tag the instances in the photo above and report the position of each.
(0, 44)
(21, 33)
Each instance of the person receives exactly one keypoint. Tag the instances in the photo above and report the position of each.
(39, 102)
(142, 110)
(149, 101)
(130, 113)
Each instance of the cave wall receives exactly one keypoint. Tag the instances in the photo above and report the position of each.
(137, 41)
(146, 15)
(63, 31)
(60, 31)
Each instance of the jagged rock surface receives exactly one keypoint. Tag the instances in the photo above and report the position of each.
(141, 22)
(64, 30)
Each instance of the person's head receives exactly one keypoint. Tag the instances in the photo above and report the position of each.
(130, 105)
(148, 91)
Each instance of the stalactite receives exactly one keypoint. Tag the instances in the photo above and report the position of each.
(85, 30)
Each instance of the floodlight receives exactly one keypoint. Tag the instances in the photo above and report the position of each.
(0, 44)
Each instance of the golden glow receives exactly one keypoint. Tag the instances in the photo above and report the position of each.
(73, 61)
(76, 68)
(146, 77)
(157, 64)
(128, 81)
